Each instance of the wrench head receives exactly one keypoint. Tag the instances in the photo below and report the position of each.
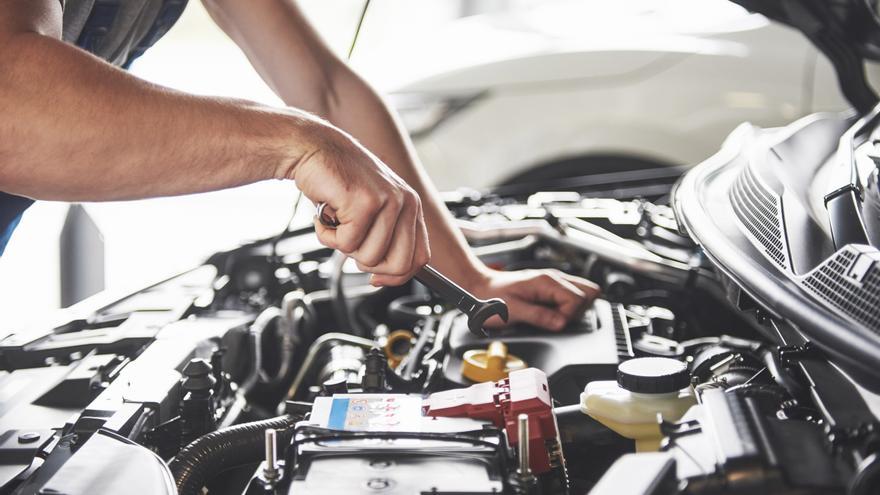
(486, 310)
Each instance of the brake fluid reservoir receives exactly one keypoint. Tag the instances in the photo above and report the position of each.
(645, 387)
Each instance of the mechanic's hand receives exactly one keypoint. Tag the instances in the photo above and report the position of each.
(380, 217)
(545, 298)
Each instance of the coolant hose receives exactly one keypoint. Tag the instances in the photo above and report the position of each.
(211, 454)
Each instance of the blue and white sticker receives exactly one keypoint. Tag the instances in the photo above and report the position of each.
(374, 412)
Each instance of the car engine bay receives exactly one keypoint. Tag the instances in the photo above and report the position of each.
(277, 368)
(734, 347)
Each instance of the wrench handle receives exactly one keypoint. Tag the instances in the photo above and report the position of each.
(428, 276)
(446, 289)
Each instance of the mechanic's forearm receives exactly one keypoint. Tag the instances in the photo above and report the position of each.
(293, 60)
(75, 128)
(361, 112)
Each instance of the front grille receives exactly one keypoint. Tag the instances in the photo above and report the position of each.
(758, 210)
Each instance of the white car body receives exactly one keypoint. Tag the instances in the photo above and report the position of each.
(661, 81)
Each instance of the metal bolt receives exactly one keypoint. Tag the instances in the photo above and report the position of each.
(270, 470)
(378, 484)
(380, 464)
(29, 437)
(523, 448)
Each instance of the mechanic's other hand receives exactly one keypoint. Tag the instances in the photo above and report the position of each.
(545, 298)
(380, 217)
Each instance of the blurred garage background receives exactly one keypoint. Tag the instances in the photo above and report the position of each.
(493, 92)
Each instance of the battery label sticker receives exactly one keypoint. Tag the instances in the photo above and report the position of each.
(377, 413)
(337, 414)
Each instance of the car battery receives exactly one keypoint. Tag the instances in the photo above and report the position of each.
(383, 443)
(394, 443)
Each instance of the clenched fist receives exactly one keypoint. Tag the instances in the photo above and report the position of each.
(381, 225)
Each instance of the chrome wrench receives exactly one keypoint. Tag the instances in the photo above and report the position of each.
(477, 310)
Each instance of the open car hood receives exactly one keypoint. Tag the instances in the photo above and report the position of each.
(846, 31)
(781, 214)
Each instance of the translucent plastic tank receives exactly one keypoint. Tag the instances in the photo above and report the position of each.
(645, 388)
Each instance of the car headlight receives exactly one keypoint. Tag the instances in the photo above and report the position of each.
(422, 114)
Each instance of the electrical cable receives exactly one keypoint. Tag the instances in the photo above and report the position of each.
(357, 29)
(211, 454)
(287, 226)
(348, 318)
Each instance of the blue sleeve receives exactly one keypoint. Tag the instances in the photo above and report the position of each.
(11, 209)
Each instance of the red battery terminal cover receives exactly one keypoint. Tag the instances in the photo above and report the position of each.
(522, 392)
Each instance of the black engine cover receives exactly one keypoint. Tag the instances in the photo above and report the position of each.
(587, 350)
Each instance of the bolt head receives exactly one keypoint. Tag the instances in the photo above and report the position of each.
(29, 437)
(380, 464)
(378, 484)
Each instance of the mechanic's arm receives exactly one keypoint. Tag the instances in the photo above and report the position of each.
(303, 71)
(77, 129)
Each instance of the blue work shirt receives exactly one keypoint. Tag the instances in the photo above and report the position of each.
(11, 209)
(118, 31)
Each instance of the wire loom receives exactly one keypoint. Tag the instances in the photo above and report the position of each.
(215, 452)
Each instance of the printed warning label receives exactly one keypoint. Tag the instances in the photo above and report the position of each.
(369, 412)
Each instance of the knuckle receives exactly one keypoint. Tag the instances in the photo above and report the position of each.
(327, 241)
(370, 260)
(424, 257)
(569, 310)
(346, 245)
(407, 202)
(399, 270)
(396, 200)
(555, 322)
(410, 197)
(372, 202)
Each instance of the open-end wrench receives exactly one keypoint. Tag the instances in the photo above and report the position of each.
(477, 310)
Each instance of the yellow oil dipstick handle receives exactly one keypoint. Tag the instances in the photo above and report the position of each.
(491, 364)
(496, 356)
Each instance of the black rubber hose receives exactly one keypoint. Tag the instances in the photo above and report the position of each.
(220, 450)
(342, 305)
(767, 395)
(781, 375)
